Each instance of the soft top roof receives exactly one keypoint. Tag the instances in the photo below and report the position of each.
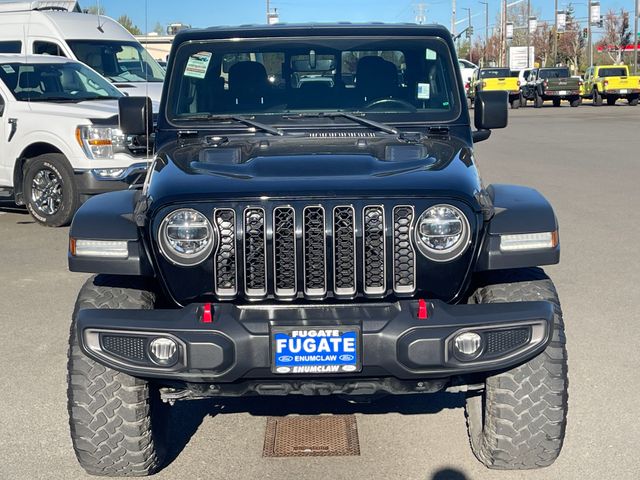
(312, 29)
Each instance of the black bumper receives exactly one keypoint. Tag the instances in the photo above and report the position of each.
(89, 182)
(395, 343)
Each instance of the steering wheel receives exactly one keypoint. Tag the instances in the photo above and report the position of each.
(375, 104)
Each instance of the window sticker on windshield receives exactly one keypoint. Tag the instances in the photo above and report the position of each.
(8, 69)
(424, 91)
(197, 65)
(431, 54)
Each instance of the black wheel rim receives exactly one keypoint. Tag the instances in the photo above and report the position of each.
(46, 191)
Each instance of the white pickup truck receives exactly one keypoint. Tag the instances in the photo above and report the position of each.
(59, 137)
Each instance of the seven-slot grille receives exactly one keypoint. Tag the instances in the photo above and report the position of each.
(288, 250)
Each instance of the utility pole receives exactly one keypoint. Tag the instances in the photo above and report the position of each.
(528, 33)
(503, 42)
(486, 32)
(469, 28)
(589, 45)
(421, 16)
(453, 17)
(268, 11)
(635, 39)
(555, 34)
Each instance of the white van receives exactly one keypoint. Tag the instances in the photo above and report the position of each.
(59, 28)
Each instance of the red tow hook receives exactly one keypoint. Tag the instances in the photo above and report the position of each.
(423, 312)
(207, 316)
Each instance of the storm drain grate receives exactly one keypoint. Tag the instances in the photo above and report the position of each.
(311, 436)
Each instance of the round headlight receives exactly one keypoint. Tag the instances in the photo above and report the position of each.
(186, 237)
(442, 233)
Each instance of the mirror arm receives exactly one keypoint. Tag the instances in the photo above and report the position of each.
(480, 135)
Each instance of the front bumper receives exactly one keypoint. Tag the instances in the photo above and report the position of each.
(395, 343)
(102, 180)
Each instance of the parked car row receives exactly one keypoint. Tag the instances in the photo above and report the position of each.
(62, 73)
(602, 83)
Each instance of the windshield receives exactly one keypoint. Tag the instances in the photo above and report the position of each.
(71, 81)
(397, 79)
(495, 73)
(554, 73)
(118, 61)
(612, 72)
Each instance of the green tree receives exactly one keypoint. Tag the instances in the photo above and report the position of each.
(127, 23)
(159, 29)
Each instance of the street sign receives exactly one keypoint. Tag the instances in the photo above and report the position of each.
(562, 21)
(518, 57)
(595, 13)
(509, 30)
(533, 24)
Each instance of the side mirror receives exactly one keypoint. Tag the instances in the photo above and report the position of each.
(136, 115)
(491, 110)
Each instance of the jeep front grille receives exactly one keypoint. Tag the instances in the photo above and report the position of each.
(310, 250)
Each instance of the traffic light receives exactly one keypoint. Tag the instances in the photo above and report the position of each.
(585, 33)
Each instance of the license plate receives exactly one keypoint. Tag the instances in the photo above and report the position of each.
(562, 92)
(623, 91)
(313, 350)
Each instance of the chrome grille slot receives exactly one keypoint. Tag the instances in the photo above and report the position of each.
(284, 251)
(344, 250)
(255, 252)
(226, 271)
(315, 261)
(374, 250)
(404, 257)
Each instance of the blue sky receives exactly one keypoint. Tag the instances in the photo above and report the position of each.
(203, 13)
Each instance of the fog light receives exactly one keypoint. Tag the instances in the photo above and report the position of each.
(109, 173)
(467, 343)
(163, 351)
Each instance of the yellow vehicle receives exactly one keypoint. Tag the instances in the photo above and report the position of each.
(485, 79)
(610, 83)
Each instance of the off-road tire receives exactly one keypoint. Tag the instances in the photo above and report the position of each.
(57, 163)
(519, 420)
(633, 101)
(537, 101)
(117, 421)
(557, 102)
(611, 101)
(597, 98)
(515, 103)
(575, 102)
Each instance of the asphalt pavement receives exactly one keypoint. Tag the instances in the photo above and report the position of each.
(585, 160)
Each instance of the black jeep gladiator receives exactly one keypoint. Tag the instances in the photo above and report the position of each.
(314, 223)
(555, 84)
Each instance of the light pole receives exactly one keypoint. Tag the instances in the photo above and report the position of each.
(635, 39)
(486, 32)
(555, 34)
(528, 33)
(469, 29)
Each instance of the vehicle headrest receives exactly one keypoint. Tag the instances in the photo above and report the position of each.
(375, 74)
(30, 80)
(247, 76)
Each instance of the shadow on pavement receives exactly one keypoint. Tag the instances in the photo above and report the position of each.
(187, 416)
(449, 474)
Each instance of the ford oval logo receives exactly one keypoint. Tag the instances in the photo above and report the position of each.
(346, 358)
(285, 358)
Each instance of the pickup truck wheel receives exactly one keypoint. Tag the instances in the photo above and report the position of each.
(117, 421)
(611, 101)
(575, 102)
(515, 103)
(597, 98)
(50, 192)
(518, 422)
(556, 102)
(633, 101)
(523, 101)
(537, 101)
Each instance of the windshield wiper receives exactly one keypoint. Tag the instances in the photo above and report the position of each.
(239, 119)
(350, 116)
